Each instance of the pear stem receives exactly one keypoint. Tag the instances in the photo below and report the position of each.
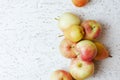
(110, 56)
(60, 35)
(57, 18)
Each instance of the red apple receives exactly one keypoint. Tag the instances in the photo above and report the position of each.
(61, 75)
(67, 48)
(92, 29)
(80, 3)
(80, 69)
(86, 50)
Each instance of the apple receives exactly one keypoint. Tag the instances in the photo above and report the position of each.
(86, 50)
(67, 19)
(102, 52)
(80, 69)
(80, 3)
(92, 29)
(74, 33)
(67, 48)
(61, 75)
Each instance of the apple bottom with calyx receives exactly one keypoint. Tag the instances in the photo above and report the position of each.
(61, 75)
(92, 29)
(74, 33)
(67, 48)
(102, 52)
(86, 50)
(80, 69)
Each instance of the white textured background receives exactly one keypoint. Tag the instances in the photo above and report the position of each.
(29, 37)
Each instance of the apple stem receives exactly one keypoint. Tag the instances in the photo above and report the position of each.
(60, 35)
(57, 18)
(72, 46)
(110, 56)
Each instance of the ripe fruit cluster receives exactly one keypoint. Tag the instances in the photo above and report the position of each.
(80, 46)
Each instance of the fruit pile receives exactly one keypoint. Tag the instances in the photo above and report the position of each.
(80, 46)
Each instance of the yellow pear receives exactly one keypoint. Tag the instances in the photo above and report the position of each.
(102, 52)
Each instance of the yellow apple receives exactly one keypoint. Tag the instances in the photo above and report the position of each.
(74, 33)
(67, 19)
(80, 69)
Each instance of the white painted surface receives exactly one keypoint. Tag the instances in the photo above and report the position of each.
(29, 37)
